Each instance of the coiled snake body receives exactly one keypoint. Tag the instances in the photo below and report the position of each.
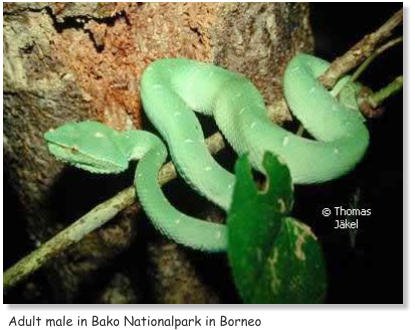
(171, 89)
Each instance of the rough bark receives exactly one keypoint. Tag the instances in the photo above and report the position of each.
(71, 61)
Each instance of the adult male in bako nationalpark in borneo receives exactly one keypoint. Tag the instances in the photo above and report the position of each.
(200, 153)
(134, 321)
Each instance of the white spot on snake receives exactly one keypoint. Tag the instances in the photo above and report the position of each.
(177, 221)
(218, 234)
(99, 135)
(285, 141)
(295, 69)
(282, 161)
(336, 151)
(242, 110)
(230, 186)
(313, 89)
(211, 74)
(188, 141)
(208, 168)
(157, 86)
(177, 113)
(253, 124)
(137, 151)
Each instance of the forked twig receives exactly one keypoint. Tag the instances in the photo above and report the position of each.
(360, 51)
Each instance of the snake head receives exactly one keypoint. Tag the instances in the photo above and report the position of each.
(88, 145)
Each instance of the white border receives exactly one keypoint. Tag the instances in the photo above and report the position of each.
(274, 316)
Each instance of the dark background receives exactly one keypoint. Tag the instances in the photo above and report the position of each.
(370, 270)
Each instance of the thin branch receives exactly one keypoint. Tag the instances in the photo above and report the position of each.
(369, 101)
(72, 234)
(372, 57)
(359, 52)
(377, 98)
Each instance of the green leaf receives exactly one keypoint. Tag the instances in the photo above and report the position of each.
(274, 258)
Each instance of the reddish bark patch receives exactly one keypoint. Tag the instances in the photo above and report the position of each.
(109, 58)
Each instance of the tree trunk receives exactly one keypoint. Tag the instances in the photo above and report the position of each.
(75, 61)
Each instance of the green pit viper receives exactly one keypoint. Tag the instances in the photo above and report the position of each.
(171, 89)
